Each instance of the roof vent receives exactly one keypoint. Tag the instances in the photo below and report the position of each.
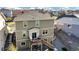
(22, 12)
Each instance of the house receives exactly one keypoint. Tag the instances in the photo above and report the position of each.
(3, 32)
(7, 12)
(69, 24)
(33, 26)
(56, 13)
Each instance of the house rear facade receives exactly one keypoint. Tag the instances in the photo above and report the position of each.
(33, 25)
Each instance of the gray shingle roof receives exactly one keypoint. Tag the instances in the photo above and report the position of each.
(73, 16)
(33, 15)
(68, 20)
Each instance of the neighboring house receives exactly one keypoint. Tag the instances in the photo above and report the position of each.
(77, 15)
(16, 12)
(7, 12)
(33, 25)
(3, 32)
(69, 12)
(69, 24)
(56, 13)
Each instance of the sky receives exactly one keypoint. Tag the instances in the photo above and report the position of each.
(46, 8)
(41, 3)
(58, 4)
(51, 8)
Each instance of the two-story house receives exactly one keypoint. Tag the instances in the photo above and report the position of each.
(33, 25)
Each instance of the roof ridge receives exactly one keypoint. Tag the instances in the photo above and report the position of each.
(67, 16)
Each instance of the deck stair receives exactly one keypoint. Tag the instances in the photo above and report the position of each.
(41, 42)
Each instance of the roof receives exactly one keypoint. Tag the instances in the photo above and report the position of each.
(73, 16)
(77, 15)
(1, 22)
(17, 12)
(33, 15)
(68, 20)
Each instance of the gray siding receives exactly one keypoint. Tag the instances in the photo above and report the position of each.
(31, 24)
(18, 44)
(19, 25)
(44, 25)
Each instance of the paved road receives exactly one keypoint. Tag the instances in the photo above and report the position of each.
(71, 42)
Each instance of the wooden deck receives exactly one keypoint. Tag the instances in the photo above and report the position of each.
(41, 42)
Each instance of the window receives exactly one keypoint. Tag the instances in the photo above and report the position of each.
(23, 43)
(45, 31)
(24, 34)
(34, 35)
(24, 24)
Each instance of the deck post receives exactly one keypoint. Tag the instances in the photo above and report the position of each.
(31, 47)
(41, 46)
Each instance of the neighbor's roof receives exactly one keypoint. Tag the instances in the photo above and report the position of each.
(73, 16)
(77, 15)
(68, 20)
(33, 15)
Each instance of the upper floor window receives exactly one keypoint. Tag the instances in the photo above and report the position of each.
(24, 34)
(45, 31)
(24, 24)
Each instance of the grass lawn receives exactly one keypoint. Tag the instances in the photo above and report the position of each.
(12, 48)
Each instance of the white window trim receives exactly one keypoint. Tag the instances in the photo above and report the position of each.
(43, 30)
(24, 32)
(23, 45)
